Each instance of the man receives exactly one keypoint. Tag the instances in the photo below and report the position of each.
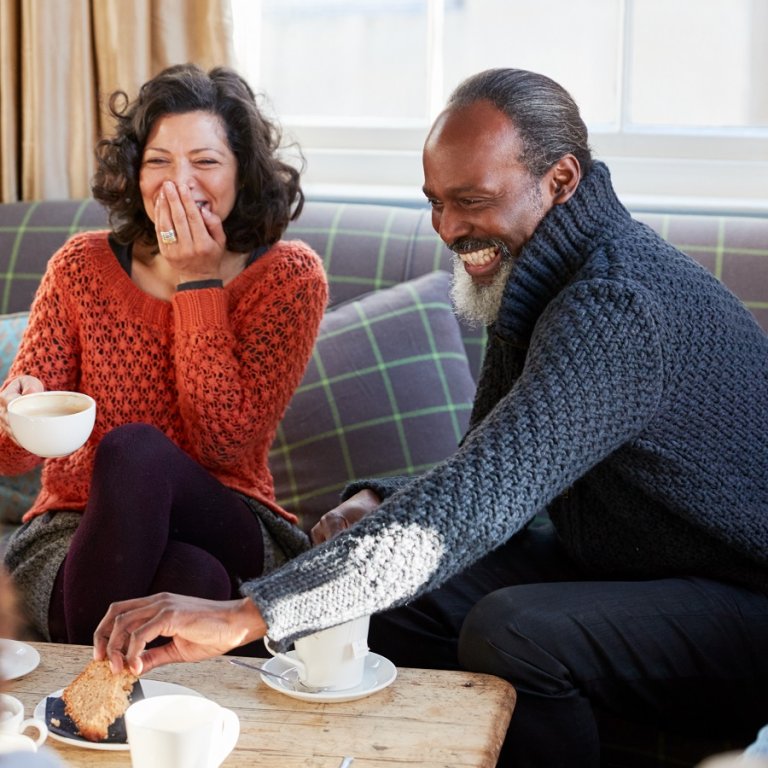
(624, 391)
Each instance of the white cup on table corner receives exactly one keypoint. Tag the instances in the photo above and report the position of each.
(13, 723)
(16, 742)
(333, 659)
(180, 731)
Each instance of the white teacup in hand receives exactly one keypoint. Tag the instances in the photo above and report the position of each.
(332, 659)
(180, 731)
(51, 424)
(12, 721)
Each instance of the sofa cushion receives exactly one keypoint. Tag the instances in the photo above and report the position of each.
(16, 493)
(30, 232)
(388, 392)
(367, 248)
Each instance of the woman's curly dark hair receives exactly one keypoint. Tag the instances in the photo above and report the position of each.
(269, 194)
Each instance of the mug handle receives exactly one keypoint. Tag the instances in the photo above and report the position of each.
(230, 732)
(290, 660)
(360, 648)
(38, 725)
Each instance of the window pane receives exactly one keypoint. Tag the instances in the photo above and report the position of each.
(344, 58)
(699, 63)
(575, 42)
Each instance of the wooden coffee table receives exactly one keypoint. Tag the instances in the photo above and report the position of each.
(425, 718)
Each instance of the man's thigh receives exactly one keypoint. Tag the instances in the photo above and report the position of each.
(685, 651)
(425, 632)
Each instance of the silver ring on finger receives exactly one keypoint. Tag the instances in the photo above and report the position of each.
(168, 237)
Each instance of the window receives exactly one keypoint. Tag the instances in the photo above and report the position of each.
(675, 92)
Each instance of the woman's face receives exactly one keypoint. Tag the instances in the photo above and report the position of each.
(190, 149)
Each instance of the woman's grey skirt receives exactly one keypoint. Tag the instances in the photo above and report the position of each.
(35, 552)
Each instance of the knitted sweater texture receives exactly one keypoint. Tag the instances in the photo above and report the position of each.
(213, 368)
(624, 390)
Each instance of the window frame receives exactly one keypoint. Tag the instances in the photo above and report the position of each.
(654, 168)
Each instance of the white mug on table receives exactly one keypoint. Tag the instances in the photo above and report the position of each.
(180, 731)
(13, 723)
(333, 659)
(16, 742)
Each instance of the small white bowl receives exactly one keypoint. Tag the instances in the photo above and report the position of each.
(51, 424)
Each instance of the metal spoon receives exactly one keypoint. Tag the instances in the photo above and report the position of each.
(290, 676)
(285, 676)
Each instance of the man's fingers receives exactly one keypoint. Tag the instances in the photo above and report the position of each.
(141, 629)
(330, 524)
(126, 628)
(155, 657)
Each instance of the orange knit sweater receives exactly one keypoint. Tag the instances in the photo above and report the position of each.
(214, 368)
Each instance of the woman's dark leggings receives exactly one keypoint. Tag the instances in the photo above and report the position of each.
(156, 521)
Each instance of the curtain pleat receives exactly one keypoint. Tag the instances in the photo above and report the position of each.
(10, 88)
(60, 60)
(57, 106)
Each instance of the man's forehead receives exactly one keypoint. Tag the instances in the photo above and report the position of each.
(476, 129)
(470, 150)
(475, 118)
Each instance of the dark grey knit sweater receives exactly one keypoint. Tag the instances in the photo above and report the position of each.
(624, 389)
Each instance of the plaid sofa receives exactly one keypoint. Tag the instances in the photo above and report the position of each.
(391, 380)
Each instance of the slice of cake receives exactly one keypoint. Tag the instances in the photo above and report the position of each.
(97, 697)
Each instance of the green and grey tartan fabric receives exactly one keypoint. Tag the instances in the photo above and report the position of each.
(369, 247)
(29, 234)
(388, 391)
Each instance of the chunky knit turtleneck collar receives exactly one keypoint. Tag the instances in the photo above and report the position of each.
(558, 248)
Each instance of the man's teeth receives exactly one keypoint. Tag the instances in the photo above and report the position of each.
(479, 258)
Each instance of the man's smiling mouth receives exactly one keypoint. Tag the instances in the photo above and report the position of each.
(480, 258)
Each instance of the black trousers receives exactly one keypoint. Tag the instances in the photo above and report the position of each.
(690, 654)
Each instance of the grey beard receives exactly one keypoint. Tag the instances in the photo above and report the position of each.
(478, 305)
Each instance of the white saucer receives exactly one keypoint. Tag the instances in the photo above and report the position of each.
(16, 659)
(378, 674)
(151, 688)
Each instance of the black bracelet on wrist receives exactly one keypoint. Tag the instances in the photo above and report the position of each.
(193, 285)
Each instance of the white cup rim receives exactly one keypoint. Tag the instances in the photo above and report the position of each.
(17, 704)
(13, 404)
(136, 715)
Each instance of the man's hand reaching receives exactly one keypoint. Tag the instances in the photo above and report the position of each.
(198, 629)
(344, 516)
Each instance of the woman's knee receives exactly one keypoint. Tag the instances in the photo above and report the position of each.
(190, 570)
(128, 443)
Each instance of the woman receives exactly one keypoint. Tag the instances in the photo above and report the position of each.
(191, 324)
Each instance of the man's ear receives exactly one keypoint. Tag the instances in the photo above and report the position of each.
(562, 179)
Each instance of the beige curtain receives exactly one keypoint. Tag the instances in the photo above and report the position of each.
(60, 60)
